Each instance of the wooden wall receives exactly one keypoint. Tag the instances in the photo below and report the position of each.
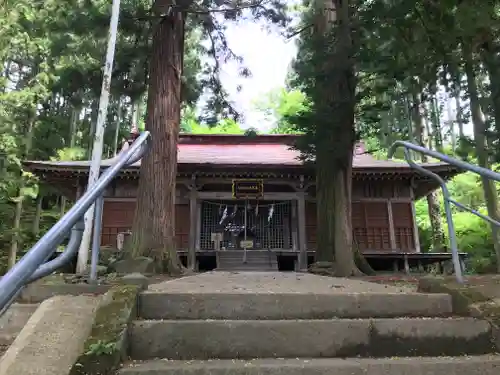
(371, 216)
(118, 217)
(403, 225)
(371, 229)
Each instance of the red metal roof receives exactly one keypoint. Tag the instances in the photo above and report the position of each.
(239, 150)
(270, 149)
(270, 154)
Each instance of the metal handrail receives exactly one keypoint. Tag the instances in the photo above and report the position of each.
(32, 265)
(446, 194)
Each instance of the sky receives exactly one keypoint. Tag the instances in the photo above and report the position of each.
(267, 55)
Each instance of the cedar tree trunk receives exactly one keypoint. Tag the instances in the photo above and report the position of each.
(153, 231)
(479, 129)
(335, 140)
(438, 237)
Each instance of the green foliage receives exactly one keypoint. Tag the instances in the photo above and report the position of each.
(278, 106)
(101, 348)
(51, 54)
(227, 126)
(473, 233)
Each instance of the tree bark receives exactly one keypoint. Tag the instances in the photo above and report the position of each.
(437, 135)
(434, 210)
(489, 57)
(426, 130)
(479, 129)
(93, 124)
(153, 231)
(117, 126)
(335, 143)
(451, 123)
(38, 214)
(19, 203)
(459, 120)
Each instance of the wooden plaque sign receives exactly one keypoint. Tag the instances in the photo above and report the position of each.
(249, 188)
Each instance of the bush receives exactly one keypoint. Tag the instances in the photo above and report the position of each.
(473, 233)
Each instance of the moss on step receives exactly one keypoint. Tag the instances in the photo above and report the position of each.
(469, 299)
(463, 295)
(106, 348)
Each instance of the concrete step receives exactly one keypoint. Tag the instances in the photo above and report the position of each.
(246, 267)
(266, 305)
(480, 365)
(243, 339)
(230, 260)
(13, 321)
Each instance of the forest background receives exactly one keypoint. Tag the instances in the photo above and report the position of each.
(419, 79)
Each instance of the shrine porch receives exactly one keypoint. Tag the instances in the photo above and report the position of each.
(393, 262)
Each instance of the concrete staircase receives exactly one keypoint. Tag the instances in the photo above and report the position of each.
(256, 260)
(306, 334)
(12, 322)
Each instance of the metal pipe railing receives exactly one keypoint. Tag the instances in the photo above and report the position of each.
(407, 146)
(32, 266)
(64, 258)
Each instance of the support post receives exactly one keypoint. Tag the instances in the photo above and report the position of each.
(95, 166)
(462, 264)
(416, 238)
(395, 265)
(392, 233)
(96, 241)
(295, 240)
(193, 224)
(301, 216)
(198, 225)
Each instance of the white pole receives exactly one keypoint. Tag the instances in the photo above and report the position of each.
(95, 166)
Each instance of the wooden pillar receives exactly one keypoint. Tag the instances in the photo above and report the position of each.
(462, 264)
(294, 227)
(79, 189)
(392, 233)
(193, 229)
(439, 267)
(395, 266)
(301, 220)
(420, 266)
(407, 265)
(198, 225)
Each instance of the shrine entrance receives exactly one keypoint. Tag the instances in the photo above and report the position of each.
(246, 225)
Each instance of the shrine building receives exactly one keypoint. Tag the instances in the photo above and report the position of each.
(248, 202)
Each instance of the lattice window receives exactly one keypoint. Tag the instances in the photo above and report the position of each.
(370, 221)
(266, 234)
(403, 225)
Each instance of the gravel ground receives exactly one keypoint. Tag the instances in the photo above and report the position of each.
(272, 282)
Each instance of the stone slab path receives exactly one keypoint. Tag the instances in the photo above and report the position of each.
(271, 282)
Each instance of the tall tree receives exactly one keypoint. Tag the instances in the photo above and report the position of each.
(325, 67)
(153, 230)
(154, 222)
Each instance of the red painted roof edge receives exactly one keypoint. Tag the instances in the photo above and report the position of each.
(238, 139)
(217, 139)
